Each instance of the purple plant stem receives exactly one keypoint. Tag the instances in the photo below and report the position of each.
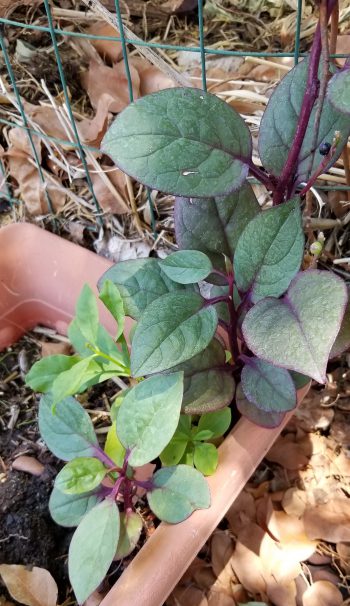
(265, 179)
(103, 457)
(232, 333)
(127, 493)
(219, 299)
(146, 484)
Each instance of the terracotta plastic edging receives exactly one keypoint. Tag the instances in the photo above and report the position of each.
(41, 276)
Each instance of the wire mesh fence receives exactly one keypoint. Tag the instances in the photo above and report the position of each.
(86, 153)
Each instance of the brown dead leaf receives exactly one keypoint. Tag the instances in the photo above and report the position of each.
(216, 598)
(188, 596)
(152, 79)
(93, 130)
(110, 49)
(311, 416)
(29, 465)
(242, 510)
(46, 119)
(343, 551)
(107, 198)
(322, 593)
(111, 81)
(287, 454)
(21, 142)
(282, 594)
(221, 550)
(8, 6)
(329, 521)
(34, 587)
(204, 578)
(343, 47)
(5, 602)
(52, 348)
(295, 501)
(245, 561)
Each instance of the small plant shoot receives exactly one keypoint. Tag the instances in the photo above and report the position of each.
(231, 319)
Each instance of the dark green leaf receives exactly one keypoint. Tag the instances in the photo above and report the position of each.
(256, 415)
(130, 530)
(299, 379)
(68, 432)
(177, 492)
(218, 422)
(181, 141)
(69, 509)
(213, 225)
(148, 416)
(112, 299)
(173, 329)
(338, 92)
(209, 384)
(43, 373)
(342, 342)
(278, 125)
(80, 475)
(87, 314)
(139, 281)
(186, 266)
(206, 458)
(92, 548)
(270, 388)
(269, 251)
(298, 331)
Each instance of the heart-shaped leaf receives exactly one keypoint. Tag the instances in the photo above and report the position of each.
(130, 530)
(206, 458)
(269, 251)
(342, 342)
(181, 141)
(186, 266)
(270, 388)
(255, 414)
(279, 122)
(213, 225)
(208, 384)
(148, 416)
(80, 475)
(338, 92)
(292, 332)
(172, 329)
(177, 492)
(69, 509)
(92, 548)
(43, 373)
(139, 281)
(68, 432)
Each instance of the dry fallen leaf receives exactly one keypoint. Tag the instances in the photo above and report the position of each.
(343, 47)
(241, 510)
(322, 593)
(109, 200)
(287, 454)
(52, 348)
(29, 465)
(245, 561)
(33, 587)
(282, 594)
(8, 6)
(152, 79)
(216, 598)
(92, 130)
(328, 521)
(111, 81)
(111, 49)
(187, 596)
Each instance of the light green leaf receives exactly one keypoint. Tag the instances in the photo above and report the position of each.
(139, 281)
(213, 225)
(171, 455)
(87, 314)
(113, 447)
(338, 92)
(44, 372)
(298, 331)
(178, 492)
(173, 329)
(218, 422)
(112, 299)
(130, 530)
(186, 266)
(69, 509)
(181, 141)
(279, 123)
(72, 381)
(68, 432)
(269, 251)
(92, 548)
(77, 339)
(148, 416)
(268, 387)
(206, 458)
(80, 475)
(201, 435)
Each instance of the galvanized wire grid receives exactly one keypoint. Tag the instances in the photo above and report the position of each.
(76, 141)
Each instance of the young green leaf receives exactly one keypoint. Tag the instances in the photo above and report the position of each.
(279, 122)
(201, 435)
(177, 492)
(290, 332)
(113, 446)
(172, 454)
(269, 251)
(112, 299)
(68, 432)
(270, 388)
(218, 422)
(206, 458)
(130, 530)
(181, 141)
(87, 314)
(92, 548)
(43, 373)
(139, 281)
(209, 384)
(186, 266)
(213, 225)
(80, 475)
(74, 380)
(69, 509)
(173, 329)
(77, 339)
(338, 92)
(256, 415)
(148, 416)
(342, 342)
